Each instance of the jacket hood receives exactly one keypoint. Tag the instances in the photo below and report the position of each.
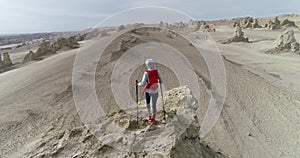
(150, 63)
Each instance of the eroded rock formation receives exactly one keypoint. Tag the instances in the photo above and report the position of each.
(286, 42)
(288, 23)
(177, 25)
(238, 36)
(274, 25)
(207, 28)
(6, 62)
(68, 43)
(46, 48)
(248, 22)
(132, 140)
(194, 25)
(121, 27)
(255, 24)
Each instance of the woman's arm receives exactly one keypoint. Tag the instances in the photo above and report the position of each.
(144, 79)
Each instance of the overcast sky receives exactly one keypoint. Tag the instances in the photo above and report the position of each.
(19, 16)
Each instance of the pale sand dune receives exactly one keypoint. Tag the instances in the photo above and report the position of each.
(260, 117)
(282, 69)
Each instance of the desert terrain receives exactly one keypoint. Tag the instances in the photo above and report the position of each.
(41, 117)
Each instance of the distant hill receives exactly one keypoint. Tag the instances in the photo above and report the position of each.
(23, 38)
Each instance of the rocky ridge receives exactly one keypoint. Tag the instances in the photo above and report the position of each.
(162, 140)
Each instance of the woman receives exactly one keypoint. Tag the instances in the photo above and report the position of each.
(150, 79)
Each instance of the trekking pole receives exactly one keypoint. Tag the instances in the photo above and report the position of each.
(162, 98)
(137, 103)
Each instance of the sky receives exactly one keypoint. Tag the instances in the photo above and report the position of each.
(30, 16)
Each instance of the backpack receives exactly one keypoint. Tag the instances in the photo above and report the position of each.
(152, 82)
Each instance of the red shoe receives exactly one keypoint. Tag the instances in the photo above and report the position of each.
(149, 117)
(153, 121)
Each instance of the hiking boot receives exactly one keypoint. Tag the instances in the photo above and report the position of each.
(153, 121)
(149, 117)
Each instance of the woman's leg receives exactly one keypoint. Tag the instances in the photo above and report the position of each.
(147, 96)
(154, 100)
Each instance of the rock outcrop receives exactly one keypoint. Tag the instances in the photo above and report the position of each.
(238, 36)
(81, 37)
(286, 42)
(236, 23)
(31, 56)
(46, 48)
(181, 25)
(194, 25)
(163, 24)
(274, 25)
(248, 22)
(121, 27)
(120, 136)
(125, 42)
(207, 28)
(288, 23)
(177, 25)
(67, 43)
(6, 62)
(255, 24)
